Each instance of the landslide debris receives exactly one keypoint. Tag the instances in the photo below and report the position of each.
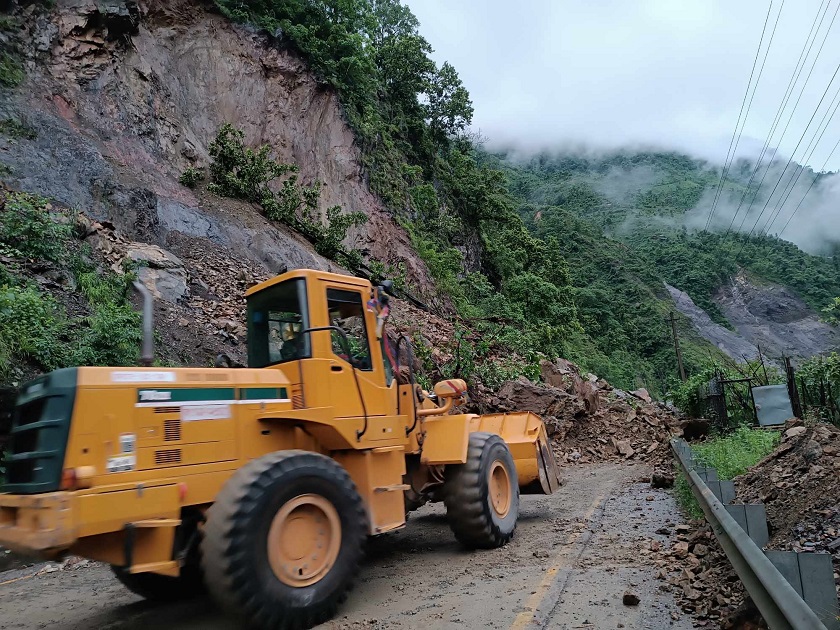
(695, 569)
(588, 419)
(800, 488)
(198, 286)
(799, 484)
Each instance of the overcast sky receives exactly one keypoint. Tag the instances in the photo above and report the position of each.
(613, 73)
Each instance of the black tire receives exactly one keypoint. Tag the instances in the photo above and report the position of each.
(234, 551)
(163, 588)
(466, 494)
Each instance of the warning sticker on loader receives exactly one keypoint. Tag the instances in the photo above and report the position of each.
(127, 441)
(123, 463)
(193, 413)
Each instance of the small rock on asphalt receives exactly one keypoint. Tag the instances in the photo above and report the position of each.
(630, 599)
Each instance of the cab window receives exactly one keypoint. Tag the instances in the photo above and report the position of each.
(346, 312)
(276, 318)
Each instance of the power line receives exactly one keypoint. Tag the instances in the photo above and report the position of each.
(814, 181)
(791, 157)
(812, 146)
(728, 160)
(787, 125)
(794, 78)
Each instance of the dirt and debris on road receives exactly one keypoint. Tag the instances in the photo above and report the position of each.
(574, 556)
(695, 569)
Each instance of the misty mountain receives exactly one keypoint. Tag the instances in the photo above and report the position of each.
(637, 220)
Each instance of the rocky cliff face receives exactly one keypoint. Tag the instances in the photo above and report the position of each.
(775, 318)
(768, 316)
(725, 340)
(122, 96)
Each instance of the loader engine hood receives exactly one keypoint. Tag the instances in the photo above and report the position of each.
(40, 430)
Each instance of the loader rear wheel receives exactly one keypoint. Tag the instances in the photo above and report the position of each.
(163, 588)
(284, 539)
(482, 495)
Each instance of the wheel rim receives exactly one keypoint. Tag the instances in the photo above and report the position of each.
(499, 486)
(304, 540)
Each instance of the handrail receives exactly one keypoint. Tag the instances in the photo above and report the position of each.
(779, 604)
(412, 380)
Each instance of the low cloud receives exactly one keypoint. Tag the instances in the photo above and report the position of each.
(607, 74)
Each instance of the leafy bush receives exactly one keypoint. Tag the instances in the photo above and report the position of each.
(240, 172)
(243, 173)
(191, 177)
(27, 226)
(111, 336)
(34, 326)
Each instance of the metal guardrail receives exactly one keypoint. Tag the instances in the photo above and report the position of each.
(777, 601)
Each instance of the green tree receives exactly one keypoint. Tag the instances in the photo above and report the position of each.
(832, 312)
(449, 109)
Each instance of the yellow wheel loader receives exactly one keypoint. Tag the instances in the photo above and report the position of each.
(262, 483)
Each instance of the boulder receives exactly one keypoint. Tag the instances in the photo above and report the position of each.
(153, 256)
(161, 272)
(794, 431)
(812, 451)
(165, 284)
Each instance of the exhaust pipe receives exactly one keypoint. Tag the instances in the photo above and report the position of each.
(147, 353)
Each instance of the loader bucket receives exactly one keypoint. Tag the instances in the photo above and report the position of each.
(525, 435)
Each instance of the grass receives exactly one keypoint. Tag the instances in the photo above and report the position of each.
(17, 129)
(11, 70)
(35, 327)
(731, 455)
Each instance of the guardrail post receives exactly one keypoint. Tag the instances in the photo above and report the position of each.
(752, 517)
(723, 490)
(706, 474)
(812, 576)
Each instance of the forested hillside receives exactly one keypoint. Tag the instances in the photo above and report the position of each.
(654, 204)
(538, 257)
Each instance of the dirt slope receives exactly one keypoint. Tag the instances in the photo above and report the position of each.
(800, 486)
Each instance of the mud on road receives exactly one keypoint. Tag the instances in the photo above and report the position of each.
(573, 557)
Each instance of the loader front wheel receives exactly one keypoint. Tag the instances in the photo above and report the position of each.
(482, 495)
(284, 539)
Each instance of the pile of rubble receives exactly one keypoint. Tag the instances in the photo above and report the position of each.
(800, 488)
(799, 484)
(588, 419)
(198, 288)
(698, 573)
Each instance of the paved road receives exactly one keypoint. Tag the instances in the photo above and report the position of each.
(574, 555)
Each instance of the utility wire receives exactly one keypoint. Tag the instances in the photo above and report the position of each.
(731, 151)
(807, 154)
(787, 125)
(794, 78)
(790, 159)
(813, 181)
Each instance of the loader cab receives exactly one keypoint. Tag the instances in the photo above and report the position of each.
(318, 329)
